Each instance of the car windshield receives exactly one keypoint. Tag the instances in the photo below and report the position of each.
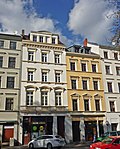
(58, 137)
(107, 140)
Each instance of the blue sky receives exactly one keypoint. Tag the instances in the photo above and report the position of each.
(73, 20)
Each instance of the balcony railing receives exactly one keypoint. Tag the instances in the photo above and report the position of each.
(43, 109)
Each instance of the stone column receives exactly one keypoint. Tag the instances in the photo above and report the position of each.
(68, 129)
(55, 125)
(98, 133)
(82, 129)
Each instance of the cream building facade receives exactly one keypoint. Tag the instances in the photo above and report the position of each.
(44, 106)
(10, 72)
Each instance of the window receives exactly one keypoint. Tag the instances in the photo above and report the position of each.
(30, 75)
(10, 82)
(86, 104)
(77, 49)
(97, 105)
(83, 66)
(95, 84)
(1, 61)
(44, 57)
(119, 87)
(58, 99)
(1, 44)
(12, 45)
(74, 105)
(47, 39)
(57, 77)
(73, 84)
(105, 54)
(107, 68)
(57, 58)
(112, 106)
(109, 84)
(93, 67)
(44, 98)
(31, 55)
(114, 126)
(0, 81)
(11, 63)
(34, 38)
(72, 66)
(84, 83)
(9, 104)
(53, 40)
(118, 70)
(116, 56)
(44, 76)
(41, 38)
(29, 98)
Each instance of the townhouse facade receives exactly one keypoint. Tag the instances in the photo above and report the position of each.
(10, 74)
(110, 61)
(86, 101)
(43, 106)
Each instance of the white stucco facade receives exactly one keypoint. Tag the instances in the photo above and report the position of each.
(111, 77)
(44, 71)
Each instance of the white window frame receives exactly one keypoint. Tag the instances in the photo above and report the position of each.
(44, 97)
(30, 97)
(58, 97)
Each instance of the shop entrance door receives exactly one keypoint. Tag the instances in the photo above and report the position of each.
(76, 131)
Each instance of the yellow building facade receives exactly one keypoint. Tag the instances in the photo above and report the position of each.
(86, 103)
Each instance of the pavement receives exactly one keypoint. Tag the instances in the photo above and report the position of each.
(70, 145)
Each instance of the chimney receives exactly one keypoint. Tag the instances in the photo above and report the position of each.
(85, 42)
(23, 32)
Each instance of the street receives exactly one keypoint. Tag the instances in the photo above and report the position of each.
(77, 146)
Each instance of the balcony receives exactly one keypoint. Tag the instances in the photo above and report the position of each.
(43, 109)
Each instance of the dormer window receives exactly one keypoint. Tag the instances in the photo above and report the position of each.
(34, 38)
(116, 56)
(77, 50)
(53, 40)
(105, 54)
(40, 38)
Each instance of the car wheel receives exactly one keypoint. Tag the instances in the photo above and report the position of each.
(49, 146)
(31, 146)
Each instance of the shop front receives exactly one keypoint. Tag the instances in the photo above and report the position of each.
(34, 126)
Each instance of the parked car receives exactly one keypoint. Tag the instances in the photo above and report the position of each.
(47, 141)
(111, 133)
(111, 142)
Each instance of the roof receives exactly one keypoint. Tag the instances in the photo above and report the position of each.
(10, 36)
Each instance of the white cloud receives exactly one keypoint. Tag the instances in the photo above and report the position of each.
(88, 18)
(16, 15)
